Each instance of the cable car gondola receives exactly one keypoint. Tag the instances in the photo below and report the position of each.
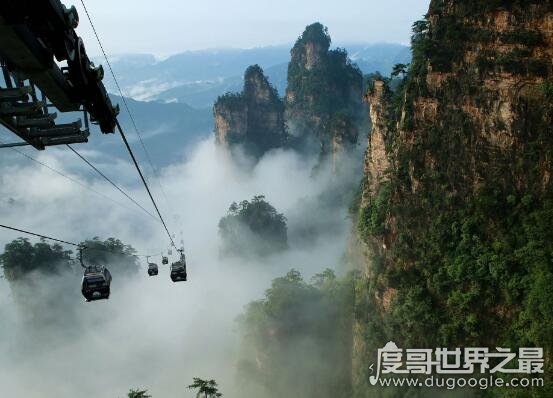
(152, 269)
(178, 269)
(96, 283)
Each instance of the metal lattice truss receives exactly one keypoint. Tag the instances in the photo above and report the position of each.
(34, 34)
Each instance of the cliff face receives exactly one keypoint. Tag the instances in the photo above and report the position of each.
(457, 195)
(231, 120)
(324, 95)
(253, 119)
(376, 159)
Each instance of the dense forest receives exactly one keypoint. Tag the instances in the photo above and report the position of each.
(297, 339)
(20, 258)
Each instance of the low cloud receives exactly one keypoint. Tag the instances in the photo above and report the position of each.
(153, 333)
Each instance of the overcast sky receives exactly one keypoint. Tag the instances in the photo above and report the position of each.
(164, 27)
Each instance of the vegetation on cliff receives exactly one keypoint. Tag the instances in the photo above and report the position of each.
(298, 338)
(252, 119)
(253, 228)
(324, 88)
(459, 230)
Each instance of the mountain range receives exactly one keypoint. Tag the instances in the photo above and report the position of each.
(171, 99)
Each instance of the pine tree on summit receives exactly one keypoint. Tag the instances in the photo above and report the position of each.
(400, 69)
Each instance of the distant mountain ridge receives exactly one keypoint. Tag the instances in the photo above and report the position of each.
(168, 130)
(197, 78)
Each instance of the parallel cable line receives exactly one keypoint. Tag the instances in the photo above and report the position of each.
(156, 175)
(144, 182)
(75, 181)
(72, 243)
(135, 128)
(39, 235)
(110, 181)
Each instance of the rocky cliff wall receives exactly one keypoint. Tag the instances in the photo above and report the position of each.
(253, 119)
(457, 192)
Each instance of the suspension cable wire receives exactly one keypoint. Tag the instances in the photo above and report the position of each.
(99, 249)
(76, 244)
(149, 255)
(80, 184)
(39, 235)
(110, 181)
(144, 181)
(135, 127)
(75, 181)
(156, 175)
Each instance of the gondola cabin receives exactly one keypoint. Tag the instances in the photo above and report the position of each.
(178, 271)
(96, 283)
(152, 269)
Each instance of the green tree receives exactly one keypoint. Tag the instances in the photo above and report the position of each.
(400, 69)
(207, 388)
(138, 394)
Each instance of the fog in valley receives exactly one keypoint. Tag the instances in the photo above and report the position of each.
(153, 333)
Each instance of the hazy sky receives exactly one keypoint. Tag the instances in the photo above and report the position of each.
(164, 27)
